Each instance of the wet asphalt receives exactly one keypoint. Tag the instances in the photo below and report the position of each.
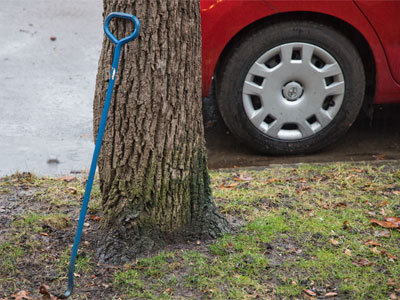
(48, 61)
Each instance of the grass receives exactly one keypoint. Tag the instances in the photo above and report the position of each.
(306, 231)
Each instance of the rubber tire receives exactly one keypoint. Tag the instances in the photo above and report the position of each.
(231, 77)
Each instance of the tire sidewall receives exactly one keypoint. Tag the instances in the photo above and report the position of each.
(246, 54)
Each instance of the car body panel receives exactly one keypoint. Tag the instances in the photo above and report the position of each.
(384, 17)
(223, 19)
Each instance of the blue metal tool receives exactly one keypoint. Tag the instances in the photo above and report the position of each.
(99, 140)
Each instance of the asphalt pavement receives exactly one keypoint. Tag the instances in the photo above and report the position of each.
(48, 60)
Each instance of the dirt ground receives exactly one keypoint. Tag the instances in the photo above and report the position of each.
(366, 140)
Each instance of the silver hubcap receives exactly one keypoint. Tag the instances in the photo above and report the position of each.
(293, 91)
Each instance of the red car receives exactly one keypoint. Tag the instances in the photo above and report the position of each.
(292, 76)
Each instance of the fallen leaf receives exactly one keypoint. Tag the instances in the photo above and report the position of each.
(393, 220)
(372, 243)
(382, 233)
(390, 256)
(391, 282)
(363, 263)
(348, 252)
(341, 204)
(396, 192)
(168, 290)
(376, 251)
(242, 178)
(331, 294)
(72, 190)
(346, 225)
(379, 156)
(393, 296)
(44, 290)
(94, 218)
(310, 293)
(228, 186)
(272, 180)
(68, 178)
(21, 295)
(383, 203)
(334, 242)
(44, 233)
(387, 224)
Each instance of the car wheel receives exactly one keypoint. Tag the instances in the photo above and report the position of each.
(291, 88)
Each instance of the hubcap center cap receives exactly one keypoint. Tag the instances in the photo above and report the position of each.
(292, 91)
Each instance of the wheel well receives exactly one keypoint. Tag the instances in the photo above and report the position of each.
(344, 28)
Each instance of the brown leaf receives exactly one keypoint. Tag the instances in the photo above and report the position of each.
(372, 243)
(44, 290)
(331, 294)
(341, 204)
(346, 225)
(383, 203)
(44, 233)
(390, 256)
(272, 180)
(67, 178)
(385, 224)
(72, 190)
(310, 293)
(363, 263)
(94, 218)
(379, 156)
(376, 251)
(21, 295)
(228, 186)
(382, 233)
(348, 252)
(334, 242)
(242, 178)
(393, 220)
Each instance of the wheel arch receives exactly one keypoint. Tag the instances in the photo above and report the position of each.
(346, 29)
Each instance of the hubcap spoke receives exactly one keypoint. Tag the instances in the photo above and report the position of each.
(330, 70)
(336, 88)
(323, 117)
(258, 116)
(307, 53)
(274, 128)
(259, 70)
(286, 53)
(251, 88)
(305, 128)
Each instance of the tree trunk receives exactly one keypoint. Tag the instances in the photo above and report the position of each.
(153, 165)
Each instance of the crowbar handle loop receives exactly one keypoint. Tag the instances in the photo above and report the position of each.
(124, 40)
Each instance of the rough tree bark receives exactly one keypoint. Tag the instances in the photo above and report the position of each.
(153, 165)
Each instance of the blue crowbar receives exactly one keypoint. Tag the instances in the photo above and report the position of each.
(100, 134)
